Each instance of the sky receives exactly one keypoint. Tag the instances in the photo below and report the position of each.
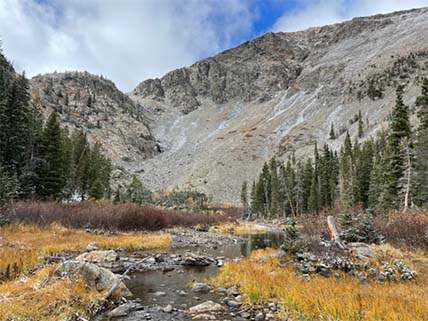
(128, 41)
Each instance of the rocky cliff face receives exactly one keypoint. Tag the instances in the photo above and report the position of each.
(95, 105)
(221, 118)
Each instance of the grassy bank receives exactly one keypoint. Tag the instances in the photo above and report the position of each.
(43, 297)
(24, 246)
(334, 298)
(31, 291)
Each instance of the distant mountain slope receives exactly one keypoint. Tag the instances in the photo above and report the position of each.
(221, 118)
(95, 105)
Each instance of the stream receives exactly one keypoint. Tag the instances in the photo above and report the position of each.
(156, 289)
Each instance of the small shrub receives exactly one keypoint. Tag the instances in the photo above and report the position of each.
(293, 243)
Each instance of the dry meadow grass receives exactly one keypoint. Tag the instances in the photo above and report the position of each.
(44, 298)
(22, 247)
(320, 298)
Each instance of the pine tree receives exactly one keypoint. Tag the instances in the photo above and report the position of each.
(420, 179)
(244, 199)
(52, 171)
(367, 233)
(347, 174)
(274, 183)
(349, 230)
(399, 137)
(254, 206)
(293, 243)
(16, 123)
(314, 197)
(332, 132)
(360, 125)
(306, 185)
(8, 187)
(117, 199)
(97, 189)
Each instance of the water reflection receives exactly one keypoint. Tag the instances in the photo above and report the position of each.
(261, 241)
(145, 285)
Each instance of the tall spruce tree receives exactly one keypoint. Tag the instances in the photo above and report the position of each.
(399, 141)
(420, 195)
(314, 196)
(52, 170)
(275, 187)
(244, 200)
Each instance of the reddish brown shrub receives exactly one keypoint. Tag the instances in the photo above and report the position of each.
(104, 215)
(409, 229)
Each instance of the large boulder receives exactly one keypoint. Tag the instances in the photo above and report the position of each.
(362, 251)
(95, 276)
(105, 259)
(206, 307)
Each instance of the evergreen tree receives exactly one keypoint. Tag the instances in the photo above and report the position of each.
(254, 207)
(275, 187)
(52, 171)
(332, 132)
(360, 125)
(314, 197)
(399, 139)
(16, 125)
(347, 174)
(293, 243)
(244, 199)
(366, 230)
(97, 189)
(420, 179)
(306, 185)
(137, 193)
(8, 187)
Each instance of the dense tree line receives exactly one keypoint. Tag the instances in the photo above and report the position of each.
(389, 171)
(42, 160)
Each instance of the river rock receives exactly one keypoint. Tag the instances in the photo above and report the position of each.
(206, 307)
(259, 317)
(121, 311)
(159, 293)
(95, 276)
(233, 304)
(201, 288)
(92, 247)
(362, 251)
(195, 260)
(167, 309)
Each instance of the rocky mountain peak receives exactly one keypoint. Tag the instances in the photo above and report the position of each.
(94, 104)
(278, 94)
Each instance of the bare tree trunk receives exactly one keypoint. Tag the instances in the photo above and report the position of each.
(334, 234)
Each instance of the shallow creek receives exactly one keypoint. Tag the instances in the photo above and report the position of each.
(159, 288)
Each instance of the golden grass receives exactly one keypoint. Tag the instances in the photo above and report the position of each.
(320, 298)
(43, 297)
(237, 229)
(22, 247)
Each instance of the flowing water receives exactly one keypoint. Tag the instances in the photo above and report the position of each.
(147, 285)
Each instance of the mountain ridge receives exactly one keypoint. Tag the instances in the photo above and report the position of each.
(211, 125)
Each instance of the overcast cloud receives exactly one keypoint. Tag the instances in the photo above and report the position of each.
(311, 13)
(131, 40)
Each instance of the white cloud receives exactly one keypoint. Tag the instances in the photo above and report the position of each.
(312, 13)
(125, 40)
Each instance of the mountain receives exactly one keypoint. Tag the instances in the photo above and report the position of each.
(211, 125)
(94, 104)
(219, 119)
